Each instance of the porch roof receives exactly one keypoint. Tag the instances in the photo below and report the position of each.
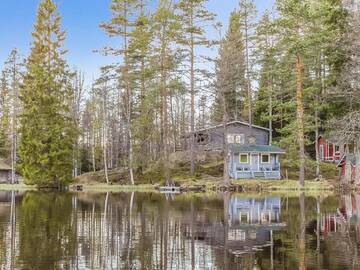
(254, 148)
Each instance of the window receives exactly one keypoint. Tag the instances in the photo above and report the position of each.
(240, 139)
(230, 138)
(202, 138)
(265, 158)
(321, 151)
(337, 148)
(244, 158)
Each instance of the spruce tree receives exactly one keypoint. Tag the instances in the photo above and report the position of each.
(47, 129)
(231, 65)
(247, 14)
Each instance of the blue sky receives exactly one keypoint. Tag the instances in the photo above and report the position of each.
(80, 21)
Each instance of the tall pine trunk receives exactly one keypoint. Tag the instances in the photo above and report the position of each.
(300, 119)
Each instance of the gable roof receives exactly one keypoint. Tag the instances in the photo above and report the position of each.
(4, 166)
(253, 148)
(232, 123)
(350, 157)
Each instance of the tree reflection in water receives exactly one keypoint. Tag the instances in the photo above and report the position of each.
(188, 231)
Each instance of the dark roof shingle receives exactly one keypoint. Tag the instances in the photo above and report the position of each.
(250, 148)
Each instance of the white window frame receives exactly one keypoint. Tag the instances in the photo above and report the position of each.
(241, 138)
(321, 152)
(262, 159)
(230, 138)
(247, 158)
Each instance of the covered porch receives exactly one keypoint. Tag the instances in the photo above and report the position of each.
(255, 162)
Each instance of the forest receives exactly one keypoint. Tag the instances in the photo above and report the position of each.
(293, 69)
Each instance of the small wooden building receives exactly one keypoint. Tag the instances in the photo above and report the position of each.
(5, 172)
(212, 138)
(254, 161)
(330, 151)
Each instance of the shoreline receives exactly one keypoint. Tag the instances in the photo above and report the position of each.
(241, 186)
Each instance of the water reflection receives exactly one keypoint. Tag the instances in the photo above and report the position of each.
(152, 231)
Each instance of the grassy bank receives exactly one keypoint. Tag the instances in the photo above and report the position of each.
(116, 188)
(203, 184)
(16, 187)
(283, 185)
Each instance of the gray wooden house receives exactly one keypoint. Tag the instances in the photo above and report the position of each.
(251, 155)
(212, 138)
(5, 172)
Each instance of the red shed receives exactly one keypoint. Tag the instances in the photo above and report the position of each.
(329, 151)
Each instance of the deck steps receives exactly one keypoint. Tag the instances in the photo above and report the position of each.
(275, 175)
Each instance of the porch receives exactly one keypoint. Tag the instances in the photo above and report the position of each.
(255, 162)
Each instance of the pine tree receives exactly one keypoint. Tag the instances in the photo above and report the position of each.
(47, 129)
(4, 116)
(266, 58)
(13, 71)
(247, 14)
(195, 17)
(121, 25)
(305, 53)
(140, 51)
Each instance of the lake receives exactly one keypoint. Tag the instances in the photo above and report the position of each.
(40, 230)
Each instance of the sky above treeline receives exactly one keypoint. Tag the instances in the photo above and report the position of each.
(81, 19)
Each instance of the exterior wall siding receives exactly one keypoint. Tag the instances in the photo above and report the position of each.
(215, 136)
(4, 176)
(246, 170)
(236, 165)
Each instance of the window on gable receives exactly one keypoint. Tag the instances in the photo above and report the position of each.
(240, 139)
(230, 138)
(202, 138)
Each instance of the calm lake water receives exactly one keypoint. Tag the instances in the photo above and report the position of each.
(188, 231)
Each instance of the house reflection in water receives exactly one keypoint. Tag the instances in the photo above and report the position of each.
(338, 232)
(347, 214)
(251, 225)
(250, 228)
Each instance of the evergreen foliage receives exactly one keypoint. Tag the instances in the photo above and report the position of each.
(232, 65)
(47, 128)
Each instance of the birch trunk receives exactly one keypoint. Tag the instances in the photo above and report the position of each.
(192, 93)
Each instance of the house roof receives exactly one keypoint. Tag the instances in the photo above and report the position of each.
(231, 123)
(253, 148)
(4, 166)
(350, 157)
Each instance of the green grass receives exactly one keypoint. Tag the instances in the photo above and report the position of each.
(283, 185)
(116, 188)
(17, 187)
